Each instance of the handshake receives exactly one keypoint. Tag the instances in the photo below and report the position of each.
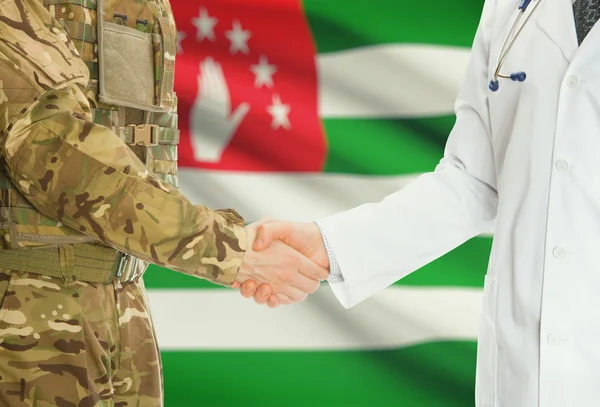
(284, 262)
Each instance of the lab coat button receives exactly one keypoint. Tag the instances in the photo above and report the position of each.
(559, 253)
(562, 165)
(553, 339)
(572, 81)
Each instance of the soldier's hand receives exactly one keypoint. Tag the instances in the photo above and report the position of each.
(290, 275)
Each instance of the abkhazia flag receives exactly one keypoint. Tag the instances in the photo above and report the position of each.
(299, 109)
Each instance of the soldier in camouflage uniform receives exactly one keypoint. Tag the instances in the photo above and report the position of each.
(88, 196)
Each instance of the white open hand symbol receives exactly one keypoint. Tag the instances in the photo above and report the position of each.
(212, 122)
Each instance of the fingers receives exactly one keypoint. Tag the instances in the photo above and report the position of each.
(249, 288)
(303, 283)
(312, 270)
(206, 68)
(295, 294)
(273, 301)
(267, 232)
(263, 293)
(219, 82)
(283, 299)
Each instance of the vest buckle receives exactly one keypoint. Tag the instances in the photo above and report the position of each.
(144, 134)
(127, 268)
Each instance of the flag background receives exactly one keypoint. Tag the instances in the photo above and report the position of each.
(299, 109)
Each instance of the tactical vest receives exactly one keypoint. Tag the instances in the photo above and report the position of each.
(129, 47)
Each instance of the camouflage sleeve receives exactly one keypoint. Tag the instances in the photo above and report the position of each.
(81, 173)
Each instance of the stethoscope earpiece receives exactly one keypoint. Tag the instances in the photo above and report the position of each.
(518, 76)
(494, 85)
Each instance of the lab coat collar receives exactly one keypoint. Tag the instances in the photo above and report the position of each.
(556, 19)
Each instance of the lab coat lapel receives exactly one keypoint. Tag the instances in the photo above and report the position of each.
(555, 18)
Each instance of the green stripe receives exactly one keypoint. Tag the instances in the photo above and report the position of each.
(342, 25)
(463, 267)
(440, 374)
(386, 146)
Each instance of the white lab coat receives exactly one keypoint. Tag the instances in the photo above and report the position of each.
(527, 159)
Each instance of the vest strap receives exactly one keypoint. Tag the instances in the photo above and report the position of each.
(148, 135)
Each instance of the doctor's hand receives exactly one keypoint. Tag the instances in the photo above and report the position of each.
(305, 237)
(284, 272)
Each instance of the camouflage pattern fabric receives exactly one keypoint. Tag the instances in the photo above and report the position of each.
(76, 345)
(68, 178)
(80, 173)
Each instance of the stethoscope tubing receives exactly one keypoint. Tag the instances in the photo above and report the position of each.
(507, 45)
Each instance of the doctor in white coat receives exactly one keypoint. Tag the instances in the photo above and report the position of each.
(525, 158)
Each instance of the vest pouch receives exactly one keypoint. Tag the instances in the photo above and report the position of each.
(126, 58)
(165, 49)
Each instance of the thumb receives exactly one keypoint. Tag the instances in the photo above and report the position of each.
(263, 221)
(267, 232)
(238, 115)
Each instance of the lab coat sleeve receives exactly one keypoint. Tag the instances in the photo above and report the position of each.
(379, 243)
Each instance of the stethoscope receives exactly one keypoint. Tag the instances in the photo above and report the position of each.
(506, 46)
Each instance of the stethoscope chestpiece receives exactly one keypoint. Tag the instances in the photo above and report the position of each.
(494, 85)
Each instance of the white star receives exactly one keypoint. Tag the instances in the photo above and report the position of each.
(263, 72)
(205, 25)
(239, 38)
(280, 114)
(180, 37)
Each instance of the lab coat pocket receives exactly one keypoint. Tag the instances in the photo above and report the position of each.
(485, 384)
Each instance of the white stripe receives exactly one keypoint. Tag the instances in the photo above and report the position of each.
(294, 196)
(222, 319)
(396, 80)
